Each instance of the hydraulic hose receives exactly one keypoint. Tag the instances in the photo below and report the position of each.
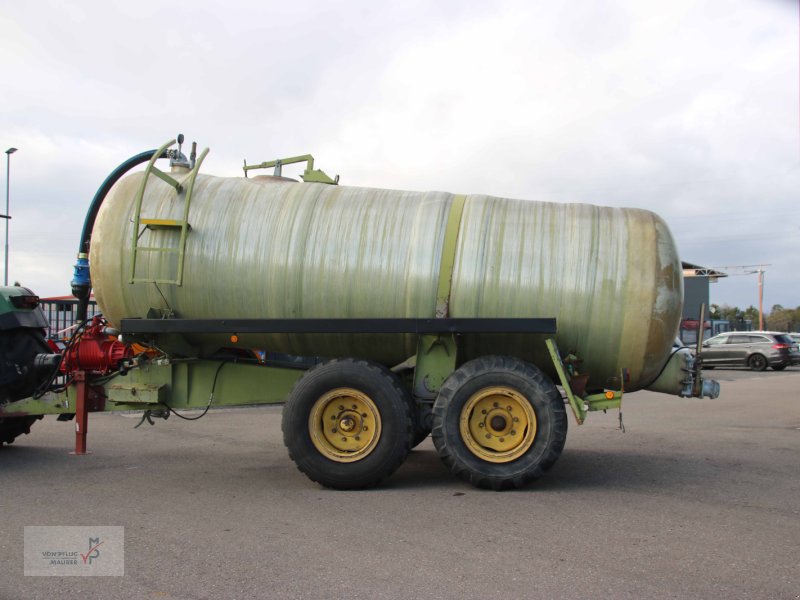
(81, 281)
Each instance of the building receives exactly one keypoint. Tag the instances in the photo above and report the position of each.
(696, 292)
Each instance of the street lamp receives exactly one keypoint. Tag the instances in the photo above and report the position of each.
(7, 216)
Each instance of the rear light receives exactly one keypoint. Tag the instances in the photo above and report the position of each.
(781, 346)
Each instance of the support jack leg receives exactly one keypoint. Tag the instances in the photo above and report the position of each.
(81, 413)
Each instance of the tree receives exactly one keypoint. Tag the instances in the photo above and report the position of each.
(750, 314)
(784, 319)
(729, 313)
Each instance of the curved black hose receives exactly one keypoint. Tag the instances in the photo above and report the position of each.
(210, 398)
(82, 290)
(103, 190)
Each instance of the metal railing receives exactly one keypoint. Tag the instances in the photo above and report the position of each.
(60, 315)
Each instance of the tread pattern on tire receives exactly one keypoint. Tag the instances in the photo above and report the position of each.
(348, 476)
(504, 477)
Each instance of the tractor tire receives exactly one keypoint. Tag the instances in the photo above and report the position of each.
(499, 423)
(13, 427)
(347, 424)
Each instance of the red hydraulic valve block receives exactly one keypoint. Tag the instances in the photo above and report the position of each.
(96, 351)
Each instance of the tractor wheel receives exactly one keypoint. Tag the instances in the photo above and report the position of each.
(757, 362)
(13, 427)
(499, 423)
(347, 424)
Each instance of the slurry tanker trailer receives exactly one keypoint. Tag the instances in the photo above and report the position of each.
(385, 316)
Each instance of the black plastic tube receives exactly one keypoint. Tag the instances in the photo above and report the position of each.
(83, 289)
(102, 192)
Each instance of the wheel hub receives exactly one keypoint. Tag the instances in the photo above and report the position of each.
(498, 424)
(348, 423)
(344, 425)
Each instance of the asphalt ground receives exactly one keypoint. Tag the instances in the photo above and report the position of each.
(697, 499)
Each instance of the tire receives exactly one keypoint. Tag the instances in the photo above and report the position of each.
(757, 362)
(499, 387)
(779, 367)
(13, 427)
(369, 413)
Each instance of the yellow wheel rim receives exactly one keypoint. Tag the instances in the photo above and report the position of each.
(498, 424)
(344, 425)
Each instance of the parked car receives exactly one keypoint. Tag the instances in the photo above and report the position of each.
(753, 349)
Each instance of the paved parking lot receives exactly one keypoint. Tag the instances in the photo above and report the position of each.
(698, 499)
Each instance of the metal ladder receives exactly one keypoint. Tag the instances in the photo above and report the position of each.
(186, 187)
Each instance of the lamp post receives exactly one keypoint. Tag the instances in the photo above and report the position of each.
(7, 216)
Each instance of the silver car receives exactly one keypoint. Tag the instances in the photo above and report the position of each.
(753, 349)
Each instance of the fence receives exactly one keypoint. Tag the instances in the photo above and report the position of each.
(60, 315)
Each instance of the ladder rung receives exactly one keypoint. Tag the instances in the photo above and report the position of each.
(148, 280)
(162, 223)
(155, 249)
(166, 178)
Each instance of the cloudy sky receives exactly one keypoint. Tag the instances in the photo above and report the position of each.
(687, 108)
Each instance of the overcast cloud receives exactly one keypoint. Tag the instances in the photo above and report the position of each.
(686, 108)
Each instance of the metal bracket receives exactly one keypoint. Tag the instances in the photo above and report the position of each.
(581, 405)
(310, 175)
(137, 393)
(436, 360)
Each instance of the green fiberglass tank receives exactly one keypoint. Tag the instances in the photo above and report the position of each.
(270, 248)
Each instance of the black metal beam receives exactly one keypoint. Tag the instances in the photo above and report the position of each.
(418, 326)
